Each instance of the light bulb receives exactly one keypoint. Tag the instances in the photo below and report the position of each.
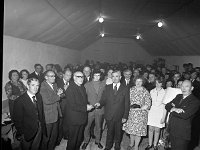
(138, 37)
(160, 24)
(101, 19)
(102, 34)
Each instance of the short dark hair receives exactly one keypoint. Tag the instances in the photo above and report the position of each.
(24, 70)
(116, 70)
(32, 79)
(139, 77)
(160, 80)
(11, 72)
(37, 65)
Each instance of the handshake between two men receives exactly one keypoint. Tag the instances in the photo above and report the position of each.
(91, 107)
(97, 106)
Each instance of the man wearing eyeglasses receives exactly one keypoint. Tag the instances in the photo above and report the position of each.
(51, 97)
(75, 111)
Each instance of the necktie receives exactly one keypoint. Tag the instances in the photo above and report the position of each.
(181, 101)
(127, 82)
(115, 89)
(35, 102)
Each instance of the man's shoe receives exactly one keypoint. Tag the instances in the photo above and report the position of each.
(93, 136)
(99, 145)
(148, 147)
(155, 147)
(84, 146)
(106, 149)
(117, 146)
(129, 147)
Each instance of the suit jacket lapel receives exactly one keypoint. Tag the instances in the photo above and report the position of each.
(120, 89)
(185, 100)
(29, 102)
(49, 87)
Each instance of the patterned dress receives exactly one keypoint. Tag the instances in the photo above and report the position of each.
(137, 120)
(13, 91)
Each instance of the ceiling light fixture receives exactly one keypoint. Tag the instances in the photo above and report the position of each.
(101, 19)
(102, 34)
(138, 37)
(160, 24)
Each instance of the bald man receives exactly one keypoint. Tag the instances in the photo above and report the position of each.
(182, 110)
(75, 111)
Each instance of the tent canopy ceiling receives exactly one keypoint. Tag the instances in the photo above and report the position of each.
(74, 23)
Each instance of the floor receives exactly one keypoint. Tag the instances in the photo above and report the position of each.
(92, 146)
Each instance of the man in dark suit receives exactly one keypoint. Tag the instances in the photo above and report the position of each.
(151, 83)
(127, 79)
(182, 110)
(196, 121)
(37, 73)
(195, 84)
(63, 84)
(29, 117)
(94, 90)
(51, 97)
(75, 111)
(116, 102)
(86, 73)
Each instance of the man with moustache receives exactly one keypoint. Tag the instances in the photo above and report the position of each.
(182, 110)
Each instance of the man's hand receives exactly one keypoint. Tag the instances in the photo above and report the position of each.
(60, 91)
(162, 120)
(124, 120)
(97, 105)
(89, 107)
(177, 110)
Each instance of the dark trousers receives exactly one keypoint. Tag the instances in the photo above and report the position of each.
(178, 143)
(33, 144)
(97, 118)
(75, 137)
(60, 131)
(49, 142)
(113, 133)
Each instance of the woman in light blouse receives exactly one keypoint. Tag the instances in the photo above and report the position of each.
(156, 115)
(24, 77)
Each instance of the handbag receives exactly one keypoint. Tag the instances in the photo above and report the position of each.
(135, 106)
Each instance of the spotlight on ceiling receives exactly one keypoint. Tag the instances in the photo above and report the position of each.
(138, 37)
(101, 19)
(102, 34)
(160, 24)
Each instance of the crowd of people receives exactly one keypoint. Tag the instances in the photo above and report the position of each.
(79, 101)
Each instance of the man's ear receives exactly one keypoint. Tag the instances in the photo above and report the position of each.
(192, 88)
(46, 77)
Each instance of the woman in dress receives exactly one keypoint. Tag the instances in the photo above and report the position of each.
(156, 115)
(14, 88)
(140, 102)
(24, 77)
